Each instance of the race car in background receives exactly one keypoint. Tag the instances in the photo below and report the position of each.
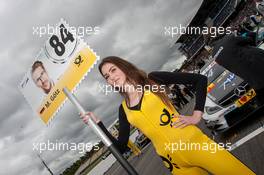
(229, 98)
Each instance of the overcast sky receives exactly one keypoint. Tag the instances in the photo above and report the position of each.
(133, 30)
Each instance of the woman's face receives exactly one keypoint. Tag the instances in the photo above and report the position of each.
(113, 75)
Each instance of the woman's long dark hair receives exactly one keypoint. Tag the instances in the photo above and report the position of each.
(136, 77)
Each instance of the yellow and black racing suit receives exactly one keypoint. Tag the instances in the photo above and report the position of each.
(186, 151)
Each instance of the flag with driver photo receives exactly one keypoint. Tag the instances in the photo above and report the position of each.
(62, 62)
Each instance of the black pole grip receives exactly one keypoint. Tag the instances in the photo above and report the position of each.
(122, 160)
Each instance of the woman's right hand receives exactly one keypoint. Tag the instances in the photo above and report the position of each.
(85, 117)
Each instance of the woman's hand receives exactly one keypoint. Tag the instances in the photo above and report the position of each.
(184, 121)
(85, 117)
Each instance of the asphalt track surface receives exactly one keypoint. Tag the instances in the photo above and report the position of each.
(147, 163)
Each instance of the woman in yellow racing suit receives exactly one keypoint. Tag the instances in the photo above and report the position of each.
(182, 146)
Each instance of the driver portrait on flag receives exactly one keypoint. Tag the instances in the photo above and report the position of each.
(41, 77)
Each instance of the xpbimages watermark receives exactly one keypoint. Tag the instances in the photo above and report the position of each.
(79, 31)
(173, 31)
(64, 146)
(106, 88)
(196, 146)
